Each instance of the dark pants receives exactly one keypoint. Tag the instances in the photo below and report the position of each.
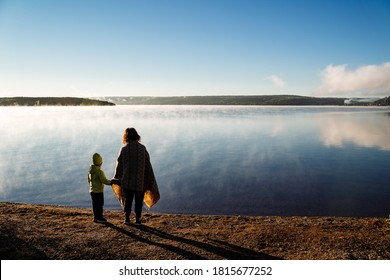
(138, 199)
(97, 205)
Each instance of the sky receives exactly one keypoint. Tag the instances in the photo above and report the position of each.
(96, 48)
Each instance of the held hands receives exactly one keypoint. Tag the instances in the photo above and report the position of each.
(115, 181)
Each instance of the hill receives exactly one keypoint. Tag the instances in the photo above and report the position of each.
(52, 101)
(225, 100)
(383, 102)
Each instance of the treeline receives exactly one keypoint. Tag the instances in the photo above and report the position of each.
(276, 100)
(52, 101)
(226, 100)
(383, 102)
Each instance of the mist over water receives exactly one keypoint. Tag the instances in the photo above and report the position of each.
(236, 160)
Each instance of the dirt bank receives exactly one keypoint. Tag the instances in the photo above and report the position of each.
(53, 232)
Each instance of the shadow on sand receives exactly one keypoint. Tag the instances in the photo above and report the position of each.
(222, 249)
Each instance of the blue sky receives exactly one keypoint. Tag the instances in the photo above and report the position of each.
(186, 47)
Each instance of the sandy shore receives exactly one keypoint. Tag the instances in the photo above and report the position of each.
(53, 232)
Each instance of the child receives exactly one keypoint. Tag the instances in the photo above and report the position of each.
(97, 180)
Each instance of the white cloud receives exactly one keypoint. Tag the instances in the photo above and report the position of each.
(278, 82)
(369, 80)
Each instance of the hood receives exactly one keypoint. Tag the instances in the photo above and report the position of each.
(97, 159)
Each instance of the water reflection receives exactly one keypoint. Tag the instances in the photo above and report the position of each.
(364, 130)
(209, 160)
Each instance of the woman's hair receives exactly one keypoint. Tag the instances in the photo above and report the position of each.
(130, 134)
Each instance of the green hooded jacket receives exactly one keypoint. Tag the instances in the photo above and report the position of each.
(96, 177)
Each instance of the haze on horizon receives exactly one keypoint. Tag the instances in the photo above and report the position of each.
(222, 47)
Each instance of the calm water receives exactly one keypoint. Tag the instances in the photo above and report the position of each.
(207, 159)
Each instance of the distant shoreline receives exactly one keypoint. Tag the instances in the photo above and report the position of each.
(245, 100)
(52, 101)
(227, 100)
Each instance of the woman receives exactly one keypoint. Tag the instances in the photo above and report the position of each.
(135, 173)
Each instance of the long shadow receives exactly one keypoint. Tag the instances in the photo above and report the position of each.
(232, 252)
(186, 254)
(228, 251)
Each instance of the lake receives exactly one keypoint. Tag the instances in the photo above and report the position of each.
(228, 160)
